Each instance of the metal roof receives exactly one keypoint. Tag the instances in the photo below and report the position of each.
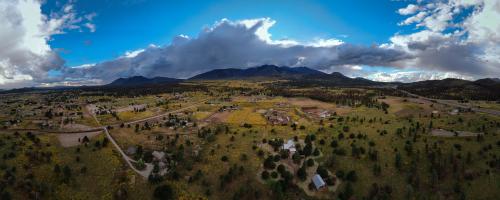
(318, 181)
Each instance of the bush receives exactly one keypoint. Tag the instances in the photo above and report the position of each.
(274, 174)
(347, 193)
(265, 175)
(224, 158)
(334, 144)
(269, 163)
(340, 174)
(310, 162)
(163, 192)
(302, 174)
(243, 157)
(322, 172)
(281, 168)
(316, 152)
(351, 176)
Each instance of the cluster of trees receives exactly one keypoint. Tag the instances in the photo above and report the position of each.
(345, 97)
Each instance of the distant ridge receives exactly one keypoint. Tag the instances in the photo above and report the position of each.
(141, 80)
(451, 88)
(264, 71)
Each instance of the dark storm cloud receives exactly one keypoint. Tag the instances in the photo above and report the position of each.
(234, 44)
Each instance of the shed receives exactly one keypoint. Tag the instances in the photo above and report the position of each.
(158, 155)
(131, 150)
(318, 181)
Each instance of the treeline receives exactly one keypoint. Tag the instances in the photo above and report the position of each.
(455, 89)
(347, 97)
(131, 91)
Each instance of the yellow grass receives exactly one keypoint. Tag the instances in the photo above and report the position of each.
(130, 115)
(246, 115)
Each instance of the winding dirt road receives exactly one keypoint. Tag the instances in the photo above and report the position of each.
(149, 167)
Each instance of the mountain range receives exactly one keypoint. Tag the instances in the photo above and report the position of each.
(488, 88)
(308, 76)
(264, 71)
(141, 80)
(298, 75)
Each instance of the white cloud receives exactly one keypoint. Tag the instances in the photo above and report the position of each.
(326, 42)
(414, 19)
(412, 76)
(132, 54)
(90, 26)
(408, 10)
(452, 40)
(25, 55)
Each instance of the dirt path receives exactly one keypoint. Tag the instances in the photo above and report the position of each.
(149, 167)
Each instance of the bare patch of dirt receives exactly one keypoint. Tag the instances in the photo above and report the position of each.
(71, 139)
(77, 127)
(131, 108)
(218, 117)
(306, 102)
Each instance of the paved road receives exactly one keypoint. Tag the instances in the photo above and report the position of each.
(446, 102)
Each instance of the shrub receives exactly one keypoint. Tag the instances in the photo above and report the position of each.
(163, 192)
(265, 175)
(310, 162)
(351, 176)
(274, 174)
(302, 174)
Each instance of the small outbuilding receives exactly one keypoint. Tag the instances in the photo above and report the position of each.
(290, 146)
(131, 150)
(318, 182)
(158, 155)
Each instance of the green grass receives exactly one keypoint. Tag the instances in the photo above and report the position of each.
(104, 175)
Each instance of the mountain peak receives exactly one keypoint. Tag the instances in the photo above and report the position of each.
(264, 71)
(141, 80)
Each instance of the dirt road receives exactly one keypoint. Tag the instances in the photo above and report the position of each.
(149, 167)
(445, 102)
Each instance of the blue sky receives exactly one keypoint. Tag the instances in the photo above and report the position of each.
(77, 42)
(128, 25)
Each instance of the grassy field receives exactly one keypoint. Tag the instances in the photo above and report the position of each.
(94, 172)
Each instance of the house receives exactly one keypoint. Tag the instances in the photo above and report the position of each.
(290, 146)
(318, 182)
(454, 112)
(158, 155)
(324, 114)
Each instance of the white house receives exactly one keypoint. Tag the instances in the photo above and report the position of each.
(324, 114)
(290, 146)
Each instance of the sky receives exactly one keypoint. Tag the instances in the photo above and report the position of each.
(88, 42)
